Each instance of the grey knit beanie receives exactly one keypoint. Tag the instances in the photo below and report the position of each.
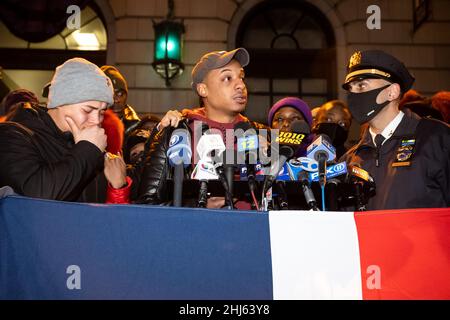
(78, 80)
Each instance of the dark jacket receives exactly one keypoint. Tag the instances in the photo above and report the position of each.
(425, 183)
(39, 160)
(153, 186)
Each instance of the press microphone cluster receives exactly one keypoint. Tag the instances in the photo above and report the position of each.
(289, 143)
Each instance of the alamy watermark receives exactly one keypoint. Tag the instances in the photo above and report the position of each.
(74, 21)
(374, 277)
(73, 281)
(373, 22)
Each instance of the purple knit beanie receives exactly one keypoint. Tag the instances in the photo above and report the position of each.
(293, 102)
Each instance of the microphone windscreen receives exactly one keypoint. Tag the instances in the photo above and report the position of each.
(286, 151)
(180, 151)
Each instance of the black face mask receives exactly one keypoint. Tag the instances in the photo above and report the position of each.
(364, 106)
(337, 133)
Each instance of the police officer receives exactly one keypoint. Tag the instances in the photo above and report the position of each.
(408, 157)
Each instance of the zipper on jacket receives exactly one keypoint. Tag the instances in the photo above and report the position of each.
(377, 159)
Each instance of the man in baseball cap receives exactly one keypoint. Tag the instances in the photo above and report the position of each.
(218, 80)
(406, 155)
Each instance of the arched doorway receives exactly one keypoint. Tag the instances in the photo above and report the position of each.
(30, 65)
(293, 53)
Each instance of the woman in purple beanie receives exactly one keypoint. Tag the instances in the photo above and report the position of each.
(288, 110)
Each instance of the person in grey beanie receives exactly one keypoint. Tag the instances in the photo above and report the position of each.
(58, 152)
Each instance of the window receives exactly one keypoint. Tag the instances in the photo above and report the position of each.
(292, 53)
(19, 71)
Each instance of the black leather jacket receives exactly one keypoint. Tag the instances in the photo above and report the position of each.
(153, 187)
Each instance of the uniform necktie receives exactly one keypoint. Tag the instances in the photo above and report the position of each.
(379, 138)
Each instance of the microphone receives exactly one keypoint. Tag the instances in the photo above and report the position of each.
(289, 144)
(210, 146)
(282, 196)
(358, 172)
(308, 164)
(307, 192)
(294, 167)
(211, 149)
(332, 171)
(179, 155)
(247, 146)
(360, 177)
(204, 171)
(228, 167)
(332, 192)
(223, 179)
(322, 151)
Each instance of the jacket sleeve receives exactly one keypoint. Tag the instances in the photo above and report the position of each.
(436, 137)
(119, 196)
(23, 167)
(153, 186)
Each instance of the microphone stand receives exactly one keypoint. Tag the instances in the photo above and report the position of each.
(282, 196)
(203, 194)
(307, 192)
(224, 181)
(229, 174)
(359, 196)
(178, 185)
(332, 192)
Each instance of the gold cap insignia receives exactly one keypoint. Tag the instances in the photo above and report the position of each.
(355, 59)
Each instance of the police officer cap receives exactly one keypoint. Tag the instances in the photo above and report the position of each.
(377, 64)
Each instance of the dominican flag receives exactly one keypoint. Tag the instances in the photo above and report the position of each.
(60, 250)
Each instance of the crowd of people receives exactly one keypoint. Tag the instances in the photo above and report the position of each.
(88, 144)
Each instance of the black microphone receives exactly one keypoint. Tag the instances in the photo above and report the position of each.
(359, 178)
(228, 167)
(307, 192)
(282, 196)
(223, 179)
(249, 143)
(289, 144)
(332, 188)
(203, 194)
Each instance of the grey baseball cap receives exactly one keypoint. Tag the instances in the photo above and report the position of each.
(215, 60)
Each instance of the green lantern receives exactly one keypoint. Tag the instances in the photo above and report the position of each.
(168, 49)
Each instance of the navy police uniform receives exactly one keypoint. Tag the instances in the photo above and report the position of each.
(412, 168)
